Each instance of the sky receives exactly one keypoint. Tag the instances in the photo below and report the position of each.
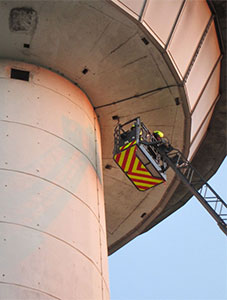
(182, 258)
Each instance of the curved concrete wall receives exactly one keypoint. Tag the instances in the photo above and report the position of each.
(52, 222)
(185, 32)
(138, 57)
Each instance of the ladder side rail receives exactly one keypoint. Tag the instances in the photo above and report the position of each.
(116, 138)
(138, 128)
(203, 181)
(208, 187)
(194, 191)
(204, 184)
(191, 172)
(191, 175)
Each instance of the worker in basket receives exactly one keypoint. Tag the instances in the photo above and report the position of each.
(165, 146)
(159, 140)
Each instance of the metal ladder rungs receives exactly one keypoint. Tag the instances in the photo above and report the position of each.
(214, 203)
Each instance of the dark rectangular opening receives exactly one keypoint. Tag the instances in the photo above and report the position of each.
(85, 70)
(19, 74)
(146, 42)
(26, 46)
(177, 101)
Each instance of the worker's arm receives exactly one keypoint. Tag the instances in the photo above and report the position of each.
(163, 142)
(151, 143)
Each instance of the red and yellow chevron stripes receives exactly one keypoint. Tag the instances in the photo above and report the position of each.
(134, 168)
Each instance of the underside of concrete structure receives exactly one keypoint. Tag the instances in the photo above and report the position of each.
(163, 61)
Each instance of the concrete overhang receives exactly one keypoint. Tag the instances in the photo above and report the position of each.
(123, 71)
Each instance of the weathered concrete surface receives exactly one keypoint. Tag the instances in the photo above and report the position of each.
(213, 148)
(52, 216)
(97, 46)
(101, 49)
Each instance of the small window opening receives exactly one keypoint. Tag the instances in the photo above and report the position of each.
(108, 167)
(27, 46)
(143, 215)
(115, 117)
(85, 70)
(146, 42)
(177, 101)
(20, 74)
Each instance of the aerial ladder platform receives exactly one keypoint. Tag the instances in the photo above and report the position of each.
(144, 160)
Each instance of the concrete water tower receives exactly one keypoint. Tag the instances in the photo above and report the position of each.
(68, 71)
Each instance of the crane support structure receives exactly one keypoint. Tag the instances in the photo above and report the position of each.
(198, 186)
(135, 145)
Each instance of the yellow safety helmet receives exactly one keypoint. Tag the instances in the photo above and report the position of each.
(159, 133)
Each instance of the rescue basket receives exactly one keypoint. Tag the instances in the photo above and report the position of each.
(140, 163)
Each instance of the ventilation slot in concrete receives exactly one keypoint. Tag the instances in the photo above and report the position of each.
(108, 167)
(115, 117)
(177, 101)
(143, 215)
(19, 74)
(85, 70)
(146, 42)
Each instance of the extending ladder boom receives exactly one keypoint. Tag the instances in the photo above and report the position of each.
(136, 149)
(197, 185)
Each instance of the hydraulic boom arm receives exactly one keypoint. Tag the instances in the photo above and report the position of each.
(144, 158)
(198, 186)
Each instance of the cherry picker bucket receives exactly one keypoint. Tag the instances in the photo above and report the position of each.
(139, 162)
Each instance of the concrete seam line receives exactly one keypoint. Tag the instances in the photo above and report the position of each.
(45, 87)
(47, 180)
(137, 96)
(42, 178)
(57, 238)
(29, 288)
(51, 133)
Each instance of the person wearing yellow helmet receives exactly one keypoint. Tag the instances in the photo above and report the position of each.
(163, 144)
(158, 134)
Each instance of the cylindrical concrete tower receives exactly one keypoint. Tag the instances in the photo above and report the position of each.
(53, 240)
